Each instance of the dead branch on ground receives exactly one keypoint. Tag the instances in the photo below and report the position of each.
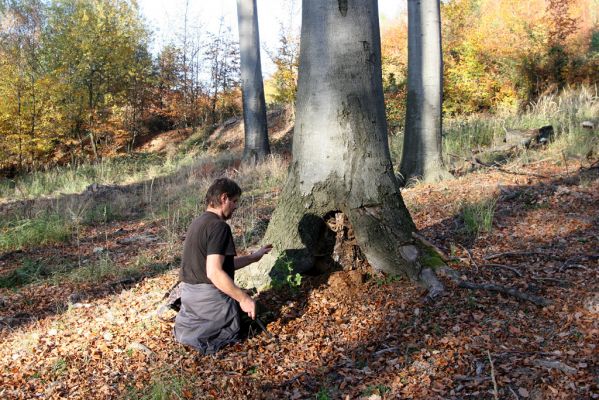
(514, 270)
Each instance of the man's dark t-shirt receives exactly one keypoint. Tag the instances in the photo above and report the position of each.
(207, 234)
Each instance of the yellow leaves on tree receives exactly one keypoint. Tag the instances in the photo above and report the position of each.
(502, 53)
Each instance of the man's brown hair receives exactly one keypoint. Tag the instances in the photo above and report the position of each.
(220, 186)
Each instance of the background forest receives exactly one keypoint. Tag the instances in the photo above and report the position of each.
(78, 81)
(108, 143)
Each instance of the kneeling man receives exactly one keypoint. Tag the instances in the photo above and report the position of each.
(210, 301)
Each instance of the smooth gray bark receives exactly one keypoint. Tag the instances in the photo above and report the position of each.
(254, 106)
(421, 157)
(341, 160)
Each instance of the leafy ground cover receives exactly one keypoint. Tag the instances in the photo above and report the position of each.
(78, 302)
(345, 334)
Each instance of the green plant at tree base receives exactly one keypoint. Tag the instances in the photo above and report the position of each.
(380, 389)
(431, 259)
(387, 279)
(283, 274)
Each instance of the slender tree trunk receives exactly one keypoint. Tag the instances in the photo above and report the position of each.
(92, 137)
(421, 157)
(341, 160)
(254, 106)
(20, 128)
(33, 120)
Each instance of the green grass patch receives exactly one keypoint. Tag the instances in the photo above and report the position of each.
(564, 111)
(127, 169)
(197, 141)
(324, 394)
(42, 230)
(102, 269)
(105, 212)
(383, 279)
(162, 387)
(478, 216)
(86, 271)
(30, 271)
(59, 368)
(380, 390)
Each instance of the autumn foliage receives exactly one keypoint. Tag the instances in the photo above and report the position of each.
(501, 54)
(78, 81)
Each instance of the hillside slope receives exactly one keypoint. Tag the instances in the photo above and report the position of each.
(78, 318)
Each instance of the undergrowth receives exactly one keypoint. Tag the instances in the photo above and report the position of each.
(44, 229)
(478, 216)
(85, 271)
(29, 272)
(163, 387)
(564, 111)
(172, 188)
(69, 179)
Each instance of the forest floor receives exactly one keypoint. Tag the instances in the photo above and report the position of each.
(347, 334)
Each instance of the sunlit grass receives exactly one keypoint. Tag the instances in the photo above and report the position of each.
(74, 179)
(164, 386)
(565, 112)
(46, 228)
(478, 216)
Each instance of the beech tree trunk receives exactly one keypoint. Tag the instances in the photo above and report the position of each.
(421, 155)
(254, 106)
(341, 160)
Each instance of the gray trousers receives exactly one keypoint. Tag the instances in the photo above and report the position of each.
(208, 319)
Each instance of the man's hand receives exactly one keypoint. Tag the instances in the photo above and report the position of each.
(258, 254)
(243, 261)
(248, 305)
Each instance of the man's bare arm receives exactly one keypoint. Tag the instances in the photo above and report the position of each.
(243, 261)
(220, 279)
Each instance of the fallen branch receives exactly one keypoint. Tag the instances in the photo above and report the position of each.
(505, 171)
(263, 327)
(465, 378)
(387, 350)
(559, 282)
(539, 161)
(455, 277)
(540, 353)
(567, 266)
(495, 393)
(514, 270)
(470, 257)
(514, 393)
(549, 364)
(517, 253)
(539, 301)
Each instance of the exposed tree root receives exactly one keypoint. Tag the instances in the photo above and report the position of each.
(436, 288)
(428, 244)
